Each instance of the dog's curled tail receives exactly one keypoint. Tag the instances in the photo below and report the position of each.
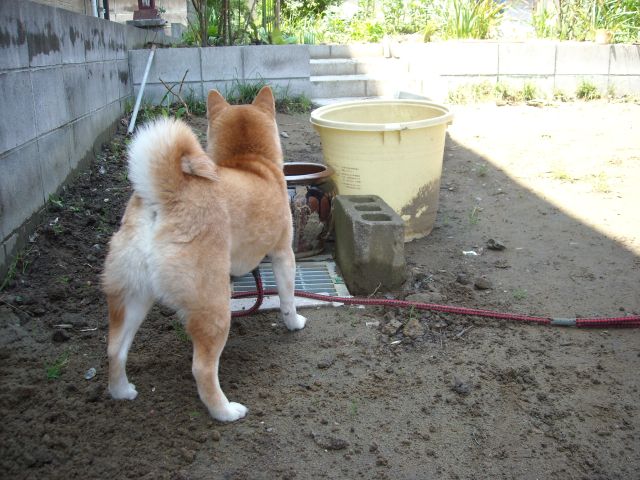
(162, 157)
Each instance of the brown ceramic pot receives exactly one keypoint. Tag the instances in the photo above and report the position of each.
(310, 195)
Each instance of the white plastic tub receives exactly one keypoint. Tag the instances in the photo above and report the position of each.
(390, 148)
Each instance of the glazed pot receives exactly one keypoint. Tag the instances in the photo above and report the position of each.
(310, 195)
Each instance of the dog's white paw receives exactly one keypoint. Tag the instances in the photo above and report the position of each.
(125, 392)
(232, 412)
(296, 322)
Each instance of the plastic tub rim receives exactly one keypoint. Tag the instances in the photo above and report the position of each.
(317, 120)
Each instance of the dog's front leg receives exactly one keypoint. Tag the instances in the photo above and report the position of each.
(209, 328)
(284, 269)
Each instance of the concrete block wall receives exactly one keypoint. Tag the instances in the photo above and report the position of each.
(286, 67)
(439, 67)
(64, 79)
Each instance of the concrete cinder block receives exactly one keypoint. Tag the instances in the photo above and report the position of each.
(17, 122)
(3, 261)
(94, 39)
(111, 81)
(624, 84)
(369, 243)
(82, 139)
(95, 88)
(319, 51)
(154, 93)
(530, 58)
(275, 61)
(291, 87)
(455, 58)
(625, 59)
(43, 33)
(582, 58)
(339, 86)
(125, 88)
(76, 85)
(73, 47)
(221, 63)
(334, 66)
(357, 50)
(14, 52)
(50, 101)
(544, 83)
(569, 83)
(225, 87)
(169, 64)
(20, 186)
(54, 155)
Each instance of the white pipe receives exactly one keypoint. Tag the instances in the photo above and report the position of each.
(134, 115)
(94, 7)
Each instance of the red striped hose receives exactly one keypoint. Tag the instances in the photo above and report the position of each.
(632, 321)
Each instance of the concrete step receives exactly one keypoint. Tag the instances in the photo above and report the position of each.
(321, 102)
(363, 85)
(346, 51)
(356, 66)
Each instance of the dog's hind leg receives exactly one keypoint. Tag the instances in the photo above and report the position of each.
(284, 269)
(208, 326)
(125, 317)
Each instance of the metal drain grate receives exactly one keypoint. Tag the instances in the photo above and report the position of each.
(314, 277)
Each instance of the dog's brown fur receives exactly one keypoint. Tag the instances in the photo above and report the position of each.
(194, 219)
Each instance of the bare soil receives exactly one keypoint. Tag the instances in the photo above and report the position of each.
(363, 392)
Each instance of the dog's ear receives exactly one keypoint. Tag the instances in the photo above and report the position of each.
(264, 101)
(215, 104)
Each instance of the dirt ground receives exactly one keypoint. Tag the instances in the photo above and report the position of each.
(363, 393)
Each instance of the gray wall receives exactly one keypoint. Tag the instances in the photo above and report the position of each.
(64, 78)
(550, 65)
(286, 67)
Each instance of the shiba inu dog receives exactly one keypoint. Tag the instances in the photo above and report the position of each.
(194, 219)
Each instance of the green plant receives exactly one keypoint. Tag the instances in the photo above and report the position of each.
(544, 21)
(474, 216)
(19, 264)
(507, 93)
(353, 408)
(55, 369)
(587, 91)
(470, 18)
(529, 91)
(519, 294)
(244, 92)
(600, 183)
(561, 96)
(560, 174)
(473, 92)
(178, 327)
(483, 169)
(57, 228)
(56, 200)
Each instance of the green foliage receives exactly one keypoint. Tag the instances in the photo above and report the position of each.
(55, 369)
(470, 18)
(471, 93)
(181, 333)
(529, 91)
(579, 19)
(587, 91)
(20, 264)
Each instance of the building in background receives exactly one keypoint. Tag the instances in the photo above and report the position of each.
(122, 11)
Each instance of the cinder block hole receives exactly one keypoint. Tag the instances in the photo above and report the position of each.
(368, 208)
(362, 200)
(376, 217)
